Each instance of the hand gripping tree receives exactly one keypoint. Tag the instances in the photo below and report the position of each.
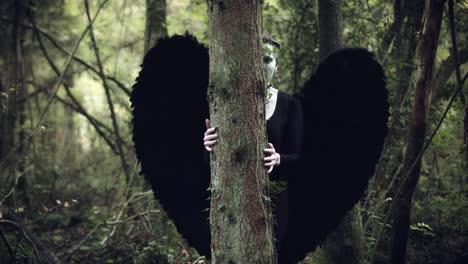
(240, 216)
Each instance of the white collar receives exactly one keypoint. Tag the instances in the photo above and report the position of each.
(272, 96)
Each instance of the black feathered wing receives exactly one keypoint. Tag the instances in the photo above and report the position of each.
(169, 107)
(345, 122)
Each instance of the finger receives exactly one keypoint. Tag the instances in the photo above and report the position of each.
(271, 163)
(210, 131)
(208, 149)
(207, 123)
(270, 169)
(210, 137)
(271, 145)
(271, 151)
(270, 158)
(210, 143)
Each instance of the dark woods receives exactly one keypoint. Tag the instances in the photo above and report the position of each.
(70, 187)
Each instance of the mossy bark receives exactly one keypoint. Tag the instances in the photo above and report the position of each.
(240, 216)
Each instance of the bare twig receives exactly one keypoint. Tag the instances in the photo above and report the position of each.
(137, 197)
(94, 122)
(7, 244)
(95, 228)
(14, 186)
(131, 199)
(132, 217)
(55, 89)
(75, 248)
(78, 59)
(376, 19)
(40, 250)
(108, 95)
(100, 127)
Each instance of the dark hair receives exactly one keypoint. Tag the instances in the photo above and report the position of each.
(268, 39)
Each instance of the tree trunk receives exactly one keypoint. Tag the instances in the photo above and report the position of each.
(330, 27)
(155, 22)
(393, 30)
(382, 184)
(14, 87)
(23, 59)
(344, 245)
(418, 124)
(404, 52)
(240, 216)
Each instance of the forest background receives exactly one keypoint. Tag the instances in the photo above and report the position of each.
(70, 189)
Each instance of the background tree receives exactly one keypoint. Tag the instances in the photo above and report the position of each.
(15, 57)
(345, 244)
(155, 22)
(408, 179)
(330, 27)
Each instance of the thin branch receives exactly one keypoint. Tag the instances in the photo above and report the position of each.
(79, 108)
(372, 14)
(95, 228)
(76, 58)
(108, 95)
(55, 89)
(7, 244)
(132, 217)
(98, 125)
(12, 190)
(42, 252)
(75, 248)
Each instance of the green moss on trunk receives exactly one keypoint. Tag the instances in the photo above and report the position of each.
(240, 217)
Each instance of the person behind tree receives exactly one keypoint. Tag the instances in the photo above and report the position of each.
(284, 129)
(323, 143)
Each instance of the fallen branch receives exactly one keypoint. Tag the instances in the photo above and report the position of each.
(9, 217)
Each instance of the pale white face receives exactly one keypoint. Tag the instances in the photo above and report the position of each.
(269, 60)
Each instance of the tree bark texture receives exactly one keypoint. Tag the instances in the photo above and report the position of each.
(240, 215)
(155, 22)
(418, 124)
(13, 87)
(330, 27)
